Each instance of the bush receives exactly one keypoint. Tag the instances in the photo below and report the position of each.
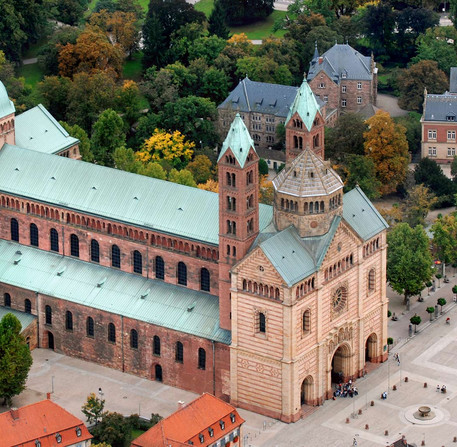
(263, 167)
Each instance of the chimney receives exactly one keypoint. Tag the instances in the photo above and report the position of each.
(48, 396)
(321, 59)
(14, 413)
(180, 404)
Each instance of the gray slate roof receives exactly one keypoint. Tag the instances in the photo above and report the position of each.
(453, 80)
(38, 130)
(124, 197)
(111, 290)
(261, 97)
(342, 59)
(24, 318)
(439, 107)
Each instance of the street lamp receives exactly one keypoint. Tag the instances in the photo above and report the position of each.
(100, 393)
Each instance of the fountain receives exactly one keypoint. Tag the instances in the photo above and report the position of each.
(424, 413)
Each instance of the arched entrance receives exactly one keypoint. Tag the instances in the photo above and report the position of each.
(371, 348)
(50, 340)
(306, 392)
(158, 373)
(341, 367)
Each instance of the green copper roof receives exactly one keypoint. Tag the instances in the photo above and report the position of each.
(305, 104)
(110, 290)
(37, 129)
(238, 140)
(124, 197)
(6, 106)
(361, 214)
(24, 318)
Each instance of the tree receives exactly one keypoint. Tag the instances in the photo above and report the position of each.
(84, 143)
(169, 147)
(409, 261)
(437, 45)
(239, 12)
(419, 202)
(15, 358)
(216, 21)
(128, 101)
(70, 11)
(183, 177)
(390, 342)
(430, 311)
(210, 185)
(413, 80)
(53, 93)
(416, 320)
(431, 175)
(413, 127)
(154, 170)
(441, 302)
(263, 69)
(159, 88)
(346, 137)
(361, 171)
(93, 409)
(266, 190)
(113, 429)
(200, 167)
(444, 241)
(207, 47)
(263, 167)
(124, 159)
(107, 135)
(124, 30)
(385, 144)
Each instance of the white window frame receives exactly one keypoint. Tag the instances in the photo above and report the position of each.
(322, 85)
(432, 134)
(432, 151)
(451, 151)
(325, 98)
(343, 103)
(359, 100)
(451, 135)
(343, 89)
(359, 85)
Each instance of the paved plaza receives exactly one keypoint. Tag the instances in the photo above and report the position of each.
(428, 357)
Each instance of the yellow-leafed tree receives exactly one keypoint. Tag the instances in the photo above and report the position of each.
(386, 144)
(169, 147)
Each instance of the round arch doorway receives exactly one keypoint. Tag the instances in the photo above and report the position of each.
(341, 366)
(306, 391)
(371, 348)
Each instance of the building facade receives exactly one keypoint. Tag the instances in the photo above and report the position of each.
(439, 127)
(344, 79)
(260, 305)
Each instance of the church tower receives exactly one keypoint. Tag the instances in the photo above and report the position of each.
(238, 206)
(304, 124)
(7, 115)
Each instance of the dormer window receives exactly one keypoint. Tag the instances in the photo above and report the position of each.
(211, 432)
(78, 432)
(202, 438)
(232, 417)
(58, 438)
(450, 118)
(222, 424)
(344, 75)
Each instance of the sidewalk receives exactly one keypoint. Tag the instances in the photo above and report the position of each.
(399, 330)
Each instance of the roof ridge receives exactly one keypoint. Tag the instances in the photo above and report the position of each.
(246, 93)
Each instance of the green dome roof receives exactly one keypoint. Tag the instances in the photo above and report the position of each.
(6, 106)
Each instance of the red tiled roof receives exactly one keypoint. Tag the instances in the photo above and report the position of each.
(189, 422)
(42, 421)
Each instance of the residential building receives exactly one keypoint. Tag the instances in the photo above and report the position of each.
(42, 424)
(206, 421)
(345, 78)
(263, 306)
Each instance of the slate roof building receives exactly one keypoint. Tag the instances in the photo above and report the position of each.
(263, 306)
(344, 79)
(42, 424)
(262, 106)
(439, 124)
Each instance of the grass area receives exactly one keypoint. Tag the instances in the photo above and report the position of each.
(34, 49)
(136, 432)
(205, 6)
(261, 30)
(32, 74)
(132, 68)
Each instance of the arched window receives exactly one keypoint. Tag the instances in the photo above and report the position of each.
(54, 237)
(204, 280)
(27, 306)
(201, 358)
(7, 300)
(115, 256)
(137, 262)
(33, 235)
(262, 322)
(68, 321)
(160, 268)
(156, 345)
(48, 314)
(111, 333)
(182, 274)
(371, 280)
(90, 327)
(94, 251)
(14, 230)
(306, 323)
(179, 354)
(74, 245)
(134, 339)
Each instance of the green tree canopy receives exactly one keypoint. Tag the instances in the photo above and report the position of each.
(183, 177)
(15, 358)
(216, 21)
(84, 146)
(93, 409)
(361, 171)
(263, 69)
(444, 241)
(409, 261)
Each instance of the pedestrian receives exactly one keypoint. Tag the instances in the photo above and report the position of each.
(438, 388)
(354, 441)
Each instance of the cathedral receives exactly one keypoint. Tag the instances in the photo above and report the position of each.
(263, 306)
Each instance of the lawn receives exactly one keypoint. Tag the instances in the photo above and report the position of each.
(32, 74)
(205, 6)
(261, 30)
(132, 68)
(136, 432)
